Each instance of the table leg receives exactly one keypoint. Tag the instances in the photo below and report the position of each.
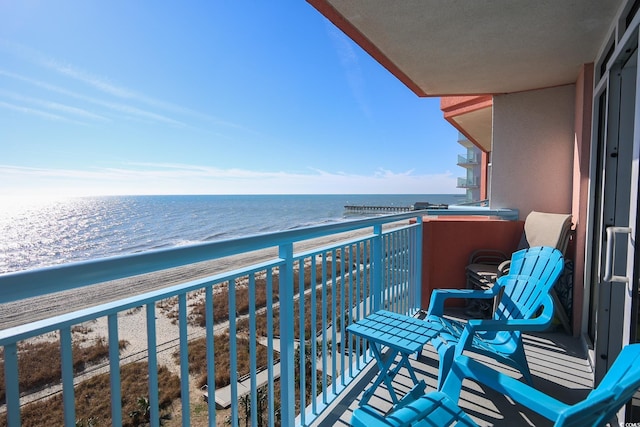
(384, 362)
(387, 374)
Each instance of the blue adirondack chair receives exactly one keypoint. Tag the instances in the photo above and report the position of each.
(525, 304)
(440, 408)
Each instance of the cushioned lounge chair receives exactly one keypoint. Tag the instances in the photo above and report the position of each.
(486, 265)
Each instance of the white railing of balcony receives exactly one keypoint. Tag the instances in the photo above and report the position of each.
(304, 299)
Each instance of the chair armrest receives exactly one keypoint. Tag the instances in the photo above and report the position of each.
(538, 323)
(439, 296)
(473, 326)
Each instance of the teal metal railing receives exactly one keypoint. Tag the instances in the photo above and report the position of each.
(294, 307)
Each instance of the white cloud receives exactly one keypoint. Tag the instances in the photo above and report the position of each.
(54, 106)
(37, 112)
(144, 178)
(131, 111)
(162, 109)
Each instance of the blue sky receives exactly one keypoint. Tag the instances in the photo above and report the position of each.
(221, 97)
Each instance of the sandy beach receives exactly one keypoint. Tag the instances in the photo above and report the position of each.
(42, 307)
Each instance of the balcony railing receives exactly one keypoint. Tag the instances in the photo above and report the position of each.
(467, 160)
(287, 313)
(467, 182)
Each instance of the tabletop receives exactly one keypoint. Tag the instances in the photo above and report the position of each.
(403, 333)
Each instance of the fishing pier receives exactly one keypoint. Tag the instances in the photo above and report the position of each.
(364, 209)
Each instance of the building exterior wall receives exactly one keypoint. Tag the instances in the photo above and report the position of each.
(473, 180)
(533, 149)
(581, 173)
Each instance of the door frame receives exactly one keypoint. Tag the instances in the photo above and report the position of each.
(605, 120)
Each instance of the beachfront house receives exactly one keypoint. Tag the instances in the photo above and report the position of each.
(547, 90)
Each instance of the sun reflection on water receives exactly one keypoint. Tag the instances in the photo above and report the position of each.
(48, 231)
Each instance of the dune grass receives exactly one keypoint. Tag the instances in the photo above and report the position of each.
(93, 400)
(39, 364)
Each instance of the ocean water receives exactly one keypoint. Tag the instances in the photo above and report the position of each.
(59, 231)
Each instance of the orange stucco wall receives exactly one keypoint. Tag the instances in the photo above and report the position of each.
(448, 242)
(484, 176)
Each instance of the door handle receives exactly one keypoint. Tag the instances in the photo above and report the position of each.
(610, 256)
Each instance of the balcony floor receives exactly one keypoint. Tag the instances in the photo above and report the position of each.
(558, 363)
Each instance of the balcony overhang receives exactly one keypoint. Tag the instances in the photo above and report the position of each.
(472, 116)
(441, 48)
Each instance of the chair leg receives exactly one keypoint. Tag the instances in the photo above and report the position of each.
(445, 353)
(519, 360)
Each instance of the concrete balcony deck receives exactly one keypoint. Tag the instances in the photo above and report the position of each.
(558, 363)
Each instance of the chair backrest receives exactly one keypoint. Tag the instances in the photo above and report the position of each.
(525, 289)
(616, 389)
(546, 229)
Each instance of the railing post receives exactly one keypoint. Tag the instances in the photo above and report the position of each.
(152, 364)
(114, 370)
(12, 389)
(418, 264)
(211, 367)
(68, 393)
(184, 358)
(377, 265)
(287, 378)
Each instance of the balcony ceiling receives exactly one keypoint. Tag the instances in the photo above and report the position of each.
(477, 126)
(462, 47)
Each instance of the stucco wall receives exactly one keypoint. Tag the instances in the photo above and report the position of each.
(532, 155)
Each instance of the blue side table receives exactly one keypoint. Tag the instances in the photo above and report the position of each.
(404, 335)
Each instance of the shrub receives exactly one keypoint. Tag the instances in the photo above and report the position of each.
(39, 364)
(198, 358)
(93, 399)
